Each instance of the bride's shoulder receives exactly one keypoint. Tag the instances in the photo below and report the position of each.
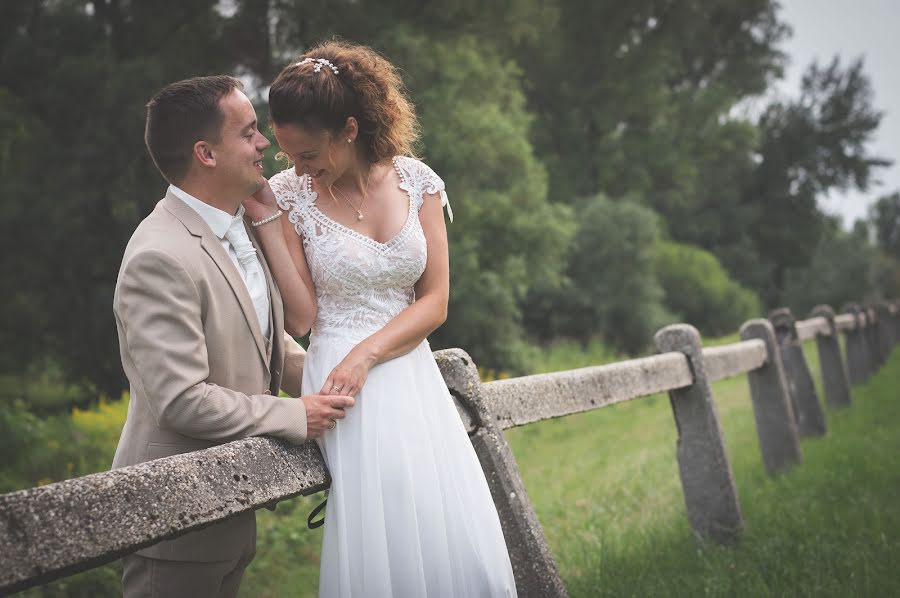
(289, 188)
(419, 173)
(413, 166)
(422, 180)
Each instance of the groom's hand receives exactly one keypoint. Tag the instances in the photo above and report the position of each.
(323, 412)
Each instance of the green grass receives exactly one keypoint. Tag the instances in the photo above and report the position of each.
(569, 355)
(606, 488)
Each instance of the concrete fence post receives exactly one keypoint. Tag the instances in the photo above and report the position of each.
(710, 495)
(872, 338)
(895, 312)
(834, 376)
(808, 412)
(885, 330)
(855, 343)
(776, 427)
(533, 565)
(895, 320)
(872, 362)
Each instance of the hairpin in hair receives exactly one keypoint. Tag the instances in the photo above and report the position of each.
(318, 64)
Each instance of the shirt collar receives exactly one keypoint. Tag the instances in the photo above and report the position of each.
(218, 221)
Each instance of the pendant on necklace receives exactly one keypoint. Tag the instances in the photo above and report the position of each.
(359, 215)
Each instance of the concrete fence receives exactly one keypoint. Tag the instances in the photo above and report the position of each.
(59, 529)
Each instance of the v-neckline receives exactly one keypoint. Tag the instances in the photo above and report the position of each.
(328, 220)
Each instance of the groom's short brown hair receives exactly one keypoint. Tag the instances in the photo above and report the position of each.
(180, 115)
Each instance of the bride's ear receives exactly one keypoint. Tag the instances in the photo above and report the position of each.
(205, 154)
(351, 129)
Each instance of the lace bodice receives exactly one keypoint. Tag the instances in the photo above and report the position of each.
(361, 284)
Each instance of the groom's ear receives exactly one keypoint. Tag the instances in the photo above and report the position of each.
(204, 153)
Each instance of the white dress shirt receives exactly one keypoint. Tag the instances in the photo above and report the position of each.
(224, 225)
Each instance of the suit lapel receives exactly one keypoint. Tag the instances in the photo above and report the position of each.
(276, 305)
(213, 247)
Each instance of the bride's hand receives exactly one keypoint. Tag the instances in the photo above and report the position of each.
(347, 377)
(261, 204)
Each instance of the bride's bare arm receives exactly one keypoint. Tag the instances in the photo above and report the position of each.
(411, 326)
(287, 261)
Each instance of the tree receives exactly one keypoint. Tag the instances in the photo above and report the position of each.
(73, 83)
(885, 218)
(842, 270)
(699, 290)
(625, 93)
(507, 237)
(809, 146)
(611, 289)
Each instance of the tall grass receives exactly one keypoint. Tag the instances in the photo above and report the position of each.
(606, 489)
(605, 486)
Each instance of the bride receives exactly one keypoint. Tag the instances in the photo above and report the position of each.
(360, 256)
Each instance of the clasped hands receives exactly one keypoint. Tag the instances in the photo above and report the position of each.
(323, 411)
(342, 384)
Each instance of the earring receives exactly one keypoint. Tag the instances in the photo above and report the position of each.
(349, 141)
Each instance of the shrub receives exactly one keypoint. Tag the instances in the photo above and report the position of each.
(698, 288)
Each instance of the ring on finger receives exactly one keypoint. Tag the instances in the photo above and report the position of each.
(333, 424)
(336, 388)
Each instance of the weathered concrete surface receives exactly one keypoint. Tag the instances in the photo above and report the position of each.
(834, 376)
(520, 401)
(737, 358)
(868, 341)
(808, 329)
(533, 565)
(808, 413)
(872, 339)
(845, 322)
(885, 329)
(710, 495)
(776, 427)
(858, 363)
(895, 317)
(59, 529)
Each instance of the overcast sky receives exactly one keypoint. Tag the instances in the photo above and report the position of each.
(868, 28)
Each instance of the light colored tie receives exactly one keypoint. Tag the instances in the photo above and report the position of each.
(253, 276)
(246, 253)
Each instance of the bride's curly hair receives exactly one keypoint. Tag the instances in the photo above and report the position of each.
(366, 87)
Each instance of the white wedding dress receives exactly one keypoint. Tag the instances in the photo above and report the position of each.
(409, 512)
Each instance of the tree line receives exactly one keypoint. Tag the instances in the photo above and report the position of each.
(609, 163)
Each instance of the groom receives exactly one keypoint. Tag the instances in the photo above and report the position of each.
(201, 327)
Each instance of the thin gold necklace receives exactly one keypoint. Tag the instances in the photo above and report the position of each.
(359, 214)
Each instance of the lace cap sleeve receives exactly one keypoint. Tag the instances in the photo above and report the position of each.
(292, 196)
(288, 189)
(426, 181)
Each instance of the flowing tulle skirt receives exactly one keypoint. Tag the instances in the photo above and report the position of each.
(409, 512)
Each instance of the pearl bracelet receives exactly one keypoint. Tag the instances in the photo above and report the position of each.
(274, 216)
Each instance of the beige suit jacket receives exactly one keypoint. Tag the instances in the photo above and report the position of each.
(199, 369)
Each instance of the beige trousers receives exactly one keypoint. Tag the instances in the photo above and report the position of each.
(155, 578)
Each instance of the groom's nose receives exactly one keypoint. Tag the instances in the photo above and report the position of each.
(262, 143)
